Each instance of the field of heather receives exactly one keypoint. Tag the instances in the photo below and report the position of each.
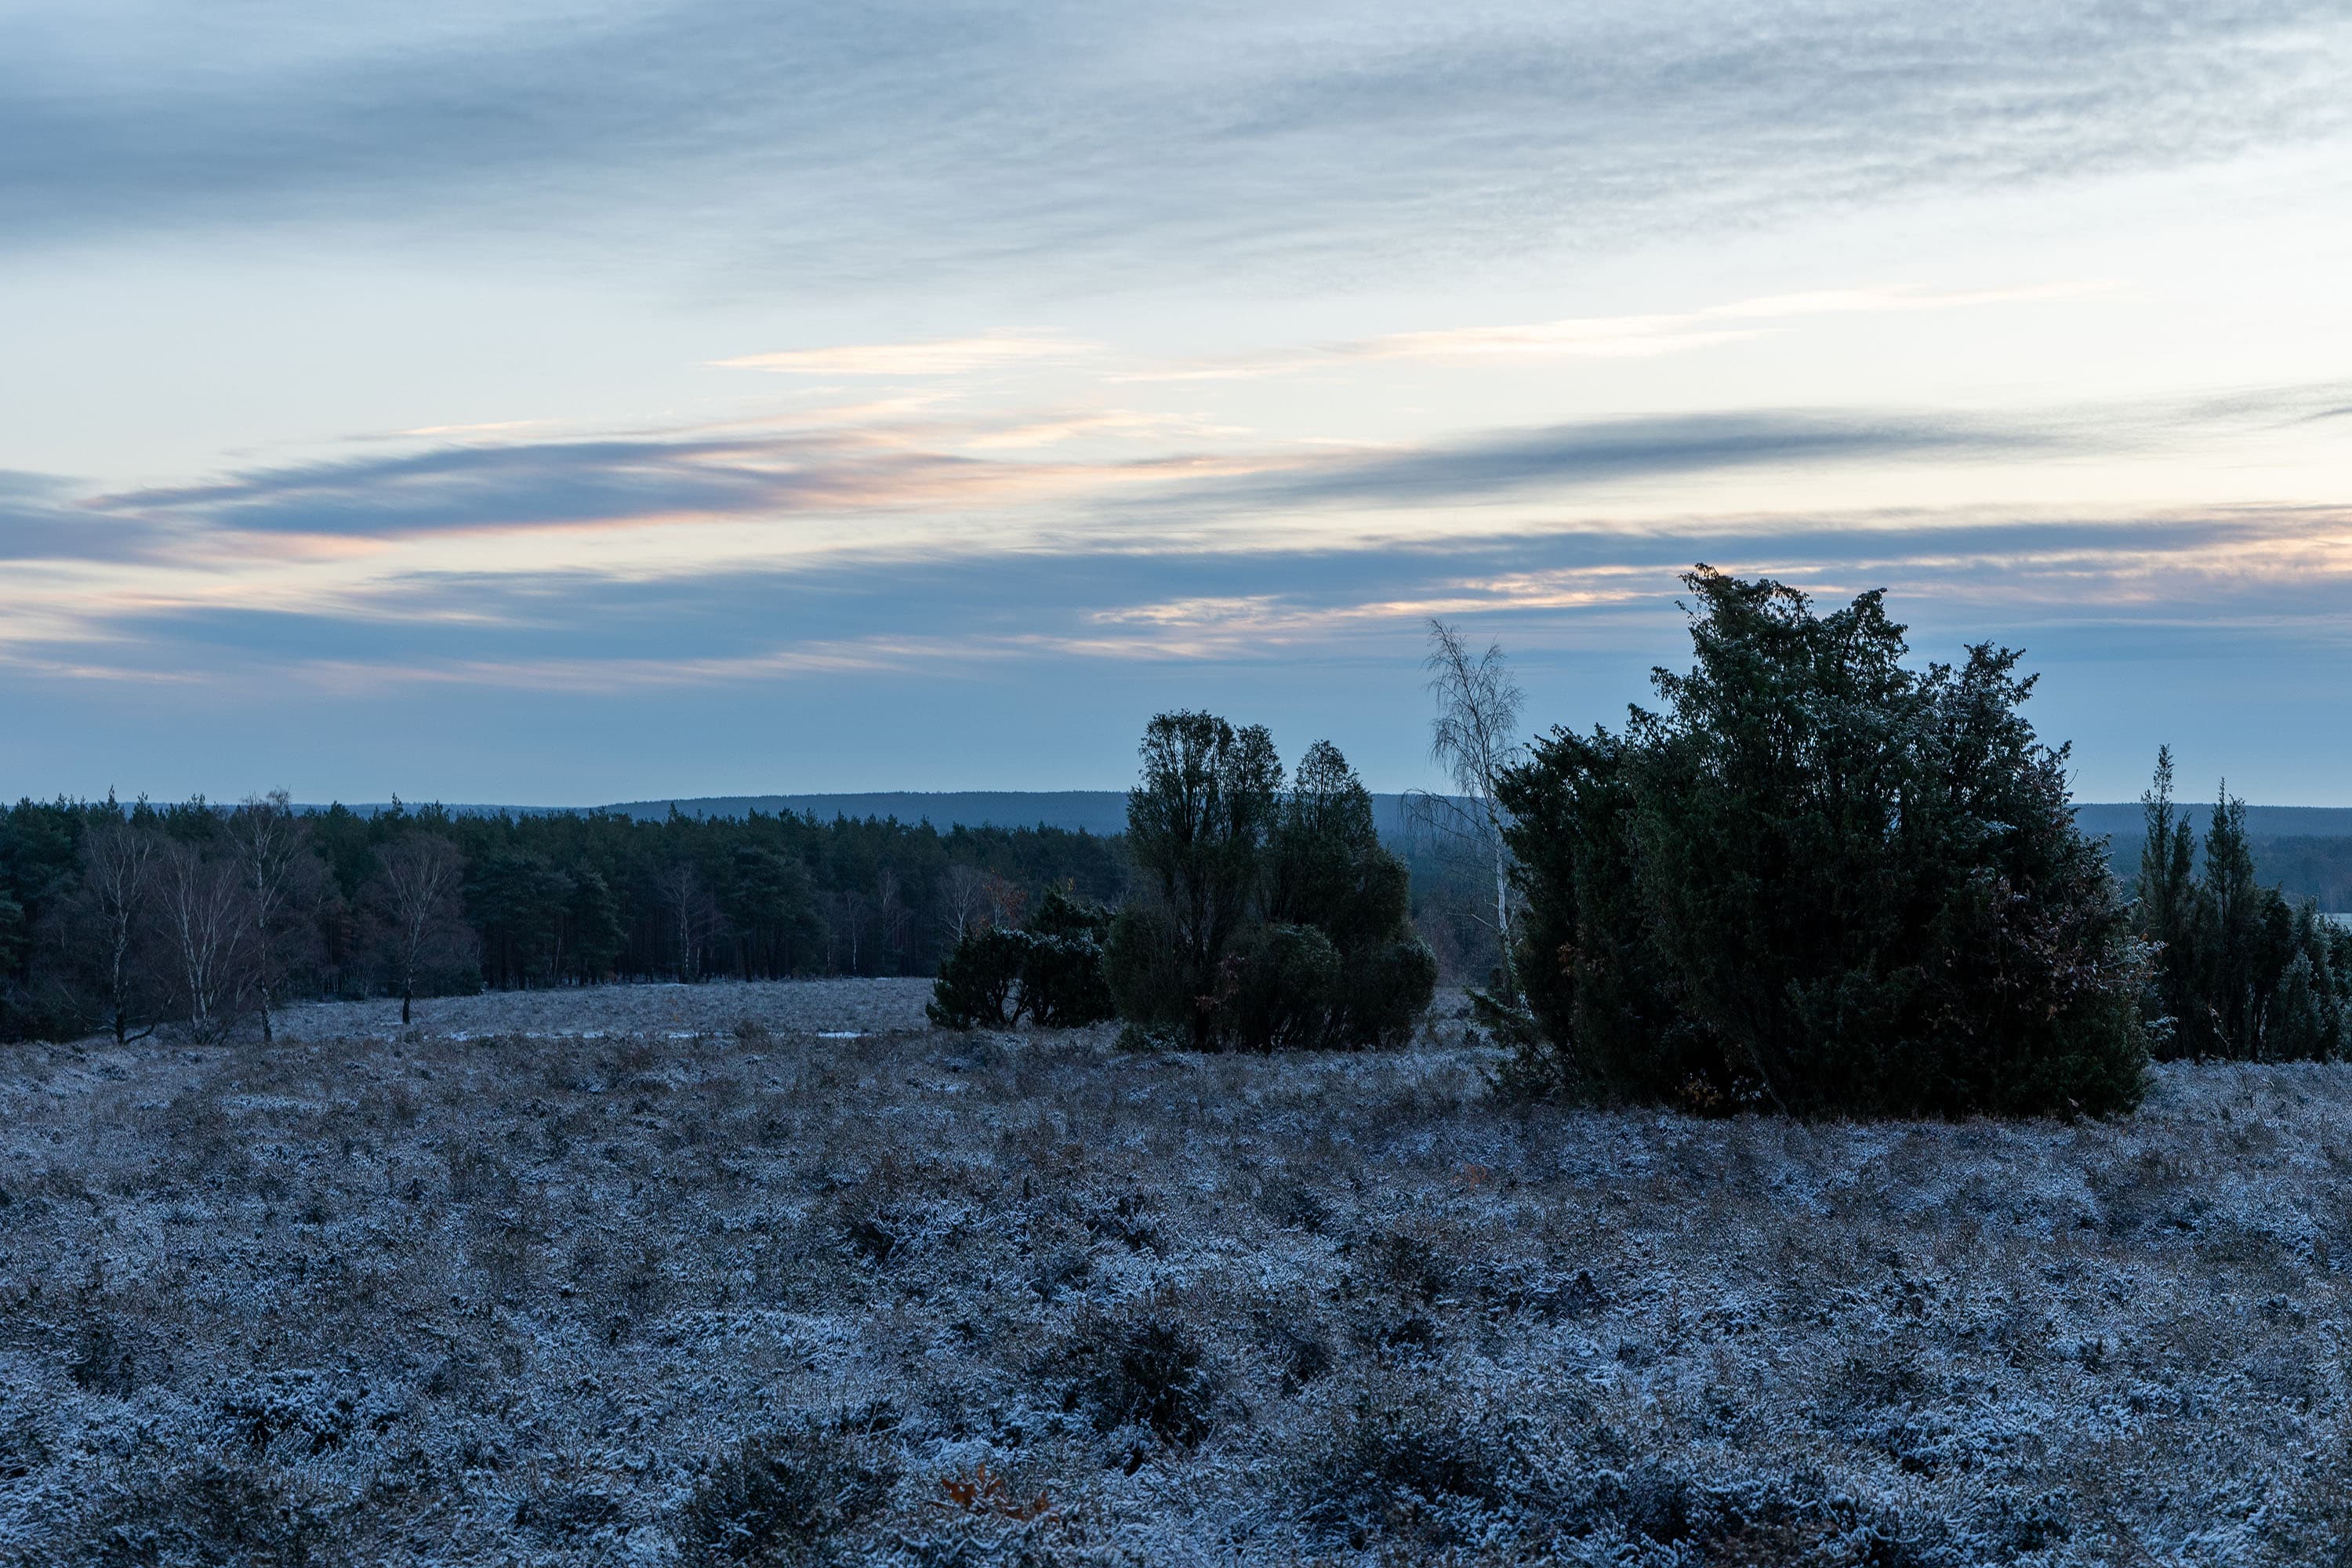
(778, 1274)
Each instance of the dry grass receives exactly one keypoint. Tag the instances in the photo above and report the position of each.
(686, 1292)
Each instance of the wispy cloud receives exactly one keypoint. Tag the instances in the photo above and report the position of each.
(945, 356)
(803, 140)
(949, 469)
(41, 521)
(1562, 458)
(2290, 569)
(1612, 337)
(942, 474)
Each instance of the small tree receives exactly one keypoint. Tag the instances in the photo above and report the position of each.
(1053, 971)
(966, 899)
(1475, 737)
(2167, 903)
(267, 839)
(118, 886)
(413, 899)
(1327, 873)
(206, 917)
(1196, 824)
(694, 916)
(1064, 983)
(2239, 971)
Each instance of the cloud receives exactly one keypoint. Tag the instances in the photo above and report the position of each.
(947, 357)
(2278, 575)
(491, 487)
(40, 522)
(1611, 337)
(947, 470)
(1563, 457)
(1049, 140)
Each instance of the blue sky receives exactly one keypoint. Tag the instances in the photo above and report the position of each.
(556, 402)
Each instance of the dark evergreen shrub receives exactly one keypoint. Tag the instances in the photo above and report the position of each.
(1053, 973)
(1148, 976)
(1416, 1471)
(978, 979)
(1820, 880)
(1145, 1370)
(1380, 991)
(1064, 985)
(1278, 990)
(204, 1514)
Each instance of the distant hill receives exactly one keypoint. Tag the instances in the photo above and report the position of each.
(1097, 811)
(2120, 819)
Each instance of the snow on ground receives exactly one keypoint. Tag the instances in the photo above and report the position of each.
(713, 1008)
(667, 1276)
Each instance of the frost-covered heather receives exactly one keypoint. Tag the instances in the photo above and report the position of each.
(658, 1295)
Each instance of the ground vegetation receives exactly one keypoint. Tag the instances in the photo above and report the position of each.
(774, 1272)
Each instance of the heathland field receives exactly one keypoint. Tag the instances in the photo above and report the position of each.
(778, 1273)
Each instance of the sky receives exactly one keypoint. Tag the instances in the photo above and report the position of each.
(557, 403)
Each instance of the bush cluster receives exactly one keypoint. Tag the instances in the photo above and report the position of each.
(2239, 971)
(1051, 971)
(781, 1498)
(1819, 880)
(1269, 918)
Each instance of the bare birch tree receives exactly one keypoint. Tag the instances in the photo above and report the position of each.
(206, 924)
(965, 901)
(118, 863)
(1475, 737)
(268, 840)
(974, 900)
(894, 922)
(693, 911)
(414, 894)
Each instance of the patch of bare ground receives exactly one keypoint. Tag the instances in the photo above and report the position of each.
(671, 1277)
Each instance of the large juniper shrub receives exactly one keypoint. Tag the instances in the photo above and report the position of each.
(1277, 990)
(1416, 1470)
(1820, 881)
(980, 980)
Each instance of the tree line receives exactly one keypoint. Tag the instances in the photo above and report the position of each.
(118, 917)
